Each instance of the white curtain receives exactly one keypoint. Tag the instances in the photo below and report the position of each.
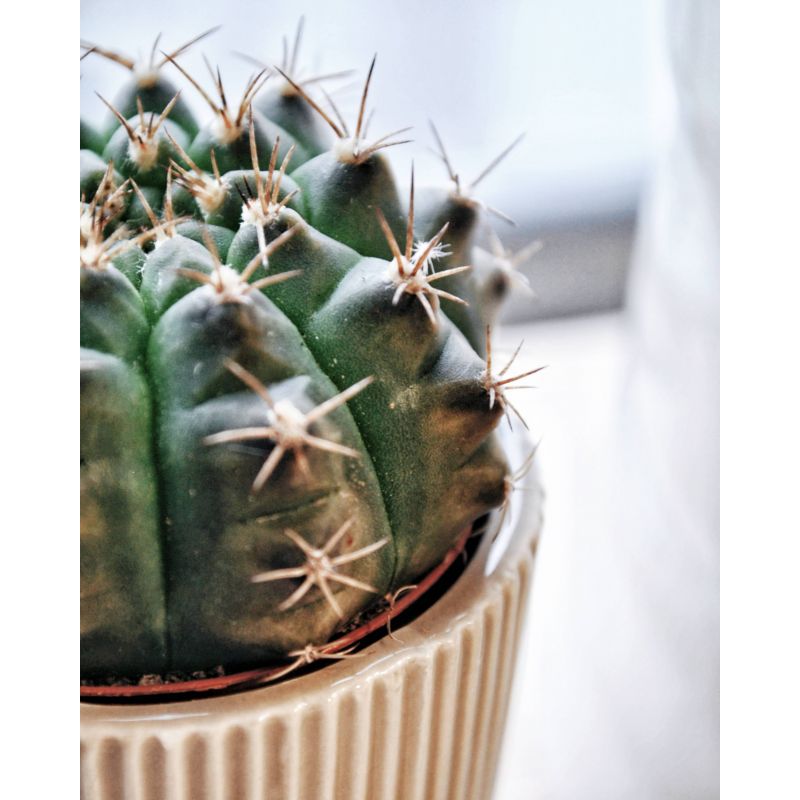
(622, 686)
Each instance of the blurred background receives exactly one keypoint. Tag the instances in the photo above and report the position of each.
(616, 694)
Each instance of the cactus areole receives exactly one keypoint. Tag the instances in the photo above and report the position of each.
(282, 422)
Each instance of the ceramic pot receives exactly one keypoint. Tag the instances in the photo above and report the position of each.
(417, 715)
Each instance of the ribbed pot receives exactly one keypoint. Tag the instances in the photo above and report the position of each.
(417, 716)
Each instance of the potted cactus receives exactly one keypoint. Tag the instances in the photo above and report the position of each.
(288, 437)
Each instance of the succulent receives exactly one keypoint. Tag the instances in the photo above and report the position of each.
(285, 409)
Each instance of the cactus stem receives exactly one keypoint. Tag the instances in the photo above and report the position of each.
(320, 567)
(288, 427)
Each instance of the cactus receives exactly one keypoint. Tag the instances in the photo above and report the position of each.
(280, 422)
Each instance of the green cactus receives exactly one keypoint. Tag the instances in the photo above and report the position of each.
(280, 423)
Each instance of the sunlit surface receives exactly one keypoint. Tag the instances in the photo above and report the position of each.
(615, 694)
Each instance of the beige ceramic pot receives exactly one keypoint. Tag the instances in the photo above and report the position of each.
(417, 716)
